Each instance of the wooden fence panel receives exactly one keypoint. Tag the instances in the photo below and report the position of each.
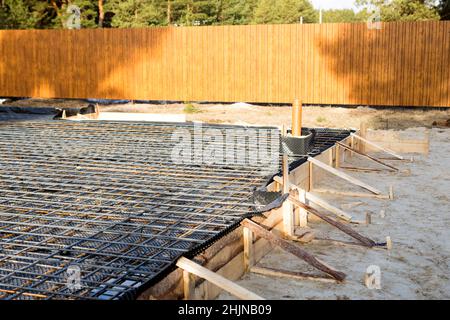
(403, 64)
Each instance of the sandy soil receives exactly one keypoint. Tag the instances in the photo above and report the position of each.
(418, 221)
(314, 116)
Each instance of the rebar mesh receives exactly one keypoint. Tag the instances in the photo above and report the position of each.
(108, 198)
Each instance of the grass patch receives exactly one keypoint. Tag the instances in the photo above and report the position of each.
(321, 119)
(190, 109)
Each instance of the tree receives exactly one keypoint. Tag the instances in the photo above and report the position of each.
(21, 14)
(101, 13)
(284, 11)
(343, 15)
(402, 10)
(236, 11)
(134, 13)
(196, 12)
(444, 9)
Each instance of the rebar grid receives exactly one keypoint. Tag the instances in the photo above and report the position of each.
(108, 198)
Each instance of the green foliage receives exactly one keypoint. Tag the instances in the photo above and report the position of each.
(444, 9)
(190, 109)
(402, 10)
(134, 13)
(27, 14)
(344, 15)
(321, 119)
(236, 11)
(284, 11)
(21, 14)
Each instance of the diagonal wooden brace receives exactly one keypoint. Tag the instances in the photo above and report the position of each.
(292, 248)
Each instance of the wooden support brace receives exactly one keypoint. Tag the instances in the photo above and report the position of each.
(270, 272)
(223, 283)
(320, 202)
(376, 146)
(353, 194)
(293, 249)
(361, 169)
(349, 231)
(392, 168)
(327, 241)
(344, 176)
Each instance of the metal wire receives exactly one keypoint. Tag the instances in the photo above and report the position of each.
(108, 197)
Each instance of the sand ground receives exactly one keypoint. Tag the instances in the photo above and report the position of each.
(418, 221)
(313, 116)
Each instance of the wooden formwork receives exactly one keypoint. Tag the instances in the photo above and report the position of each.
(226, 257)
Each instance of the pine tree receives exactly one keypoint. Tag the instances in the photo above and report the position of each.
(134, 13)
(284, 11)
(196, 12)
(236, 11)
(21, 14)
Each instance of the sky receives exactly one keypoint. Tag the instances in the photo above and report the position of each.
(334, 4)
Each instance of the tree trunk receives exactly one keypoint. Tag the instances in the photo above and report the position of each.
(101, 14)
(55, 6)
(169, 12)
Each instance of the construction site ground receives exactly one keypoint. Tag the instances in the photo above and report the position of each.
(417, 221)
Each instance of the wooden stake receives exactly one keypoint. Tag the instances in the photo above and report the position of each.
(352, 146)
(389, 243)
(311, 177)
(368, 218)
(293, 249)
(338, 156)
(288, 214)
(363, 134)
(188, 285)
(297, 118)
(331, 160)
(391, 192)
(214, 278)
(248, 249)
(303, 221)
